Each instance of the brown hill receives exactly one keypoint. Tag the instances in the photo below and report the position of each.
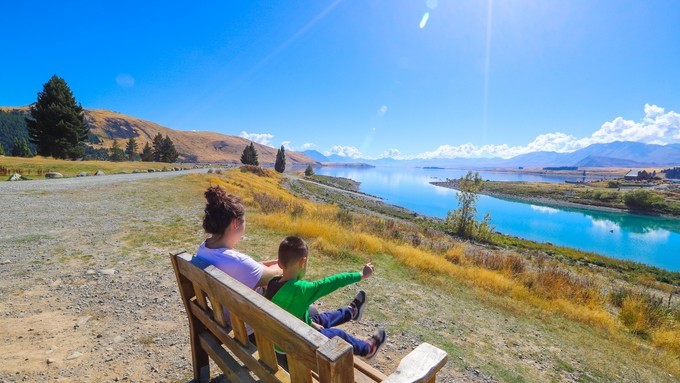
(191, 146)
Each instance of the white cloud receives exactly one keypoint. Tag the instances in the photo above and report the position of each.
(286, 145)
(125, 80)
(307, 145)
(656, 127)
(260, 138)
(391, 153)
(344, 151)
(382, 110)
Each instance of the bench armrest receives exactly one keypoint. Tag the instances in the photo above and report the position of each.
(420, 365)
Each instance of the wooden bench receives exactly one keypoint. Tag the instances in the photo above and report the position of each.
(206, 290)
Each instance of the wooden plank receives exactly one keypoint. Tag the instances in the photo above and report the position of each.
(199, 358)
(369, 371)
(240, 331)
(232, 369)
(420, 365)
(265, 348)
(299, 372)
(335, 361)
(247, 355)
(291, 334)
(218, 313)
(200, 296)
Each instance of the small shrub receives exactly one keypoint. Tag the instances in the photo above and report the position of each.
(613, 184)
(296, 209)
(269, 204)
(344, 217)
(640, 312)
(617, 296)
(643, 200)
(555, 283)
(255, 170)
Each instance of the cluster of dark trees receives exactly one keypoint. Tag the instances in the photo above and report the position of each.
(644, 175)
(249, 157)
(673, 173)
(13, 135)
(162, 150)
(20, 148)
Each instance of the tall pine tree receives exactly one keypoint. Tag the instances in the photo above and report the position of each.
(57, 126)
(16, 148)
(280, 164)
(249, 155)
(117, 154)
(147, 153)
(25, 149)
(169, 153)
(131, 149)
(158, 148)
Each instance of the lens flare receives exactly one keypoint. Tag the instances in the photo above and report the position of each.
(423, 21)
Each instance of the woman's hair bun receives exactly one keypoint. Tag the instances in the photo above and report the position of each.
(215, 195)
(221, 210)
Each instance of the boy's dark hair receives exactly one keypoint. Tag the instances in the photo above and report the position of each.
(292, 249)
(221, 210)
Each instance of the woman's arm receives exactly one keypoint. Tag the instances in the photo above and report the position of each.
(268, 273)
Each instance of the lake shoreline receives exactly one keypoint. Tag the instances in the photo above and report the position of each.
(551, 202)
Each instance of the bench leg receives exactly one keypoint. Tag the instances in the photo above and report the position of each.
(199, 359)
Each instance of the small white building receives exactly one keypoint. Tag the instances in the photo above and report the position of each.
(632, 175)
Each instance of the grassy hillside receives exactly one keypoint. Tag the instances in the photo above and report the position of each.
(628, 320)
(192, 146)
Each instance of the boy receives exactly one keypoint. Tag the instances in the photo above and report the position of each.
(292, 293)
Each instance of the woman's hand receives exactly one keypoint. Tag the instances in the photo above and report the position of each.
(272, 262)
(368, 270)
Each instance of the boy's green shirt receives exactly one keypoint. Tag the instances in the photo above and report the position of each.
(296, 295)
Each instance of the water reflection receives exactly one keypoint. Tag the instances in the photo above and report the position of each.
(658, 236)
(544, 209)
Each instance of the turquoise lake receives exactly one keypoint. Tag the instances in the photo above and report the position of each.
(650, 240)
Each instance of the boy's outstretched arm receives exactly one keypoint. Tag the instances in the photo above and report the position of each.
(317, 289)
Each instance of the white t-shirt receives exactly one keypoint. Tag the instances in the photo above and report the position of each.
(238, 265)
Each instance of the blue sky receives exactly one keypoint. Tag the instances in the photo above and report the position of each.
(362, 78)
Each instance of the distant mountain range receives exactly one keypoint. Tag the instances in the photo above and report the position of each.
(105, 126)
(195, 146)
(614, 154)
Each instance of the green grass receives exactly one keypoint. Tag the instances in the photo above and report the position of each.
(338, 182)
(36, 167)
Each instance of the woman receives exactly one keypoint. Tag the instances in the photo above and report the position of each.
(225, 221)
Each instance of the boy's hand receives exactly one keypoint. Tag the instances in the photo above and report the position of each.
(368, 270)
(317, 326)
